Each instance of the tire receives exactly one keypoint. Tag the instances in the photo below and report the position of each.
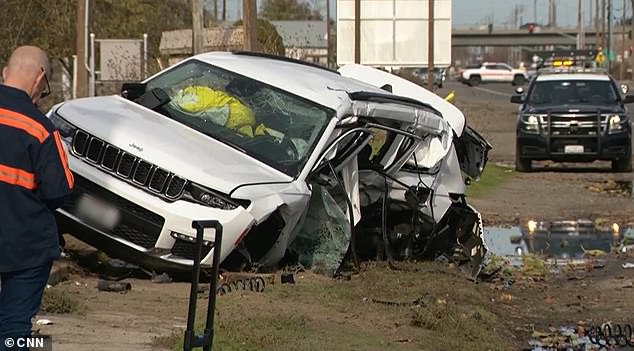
(522, 164)
(622, 165)
(474, 81)
(519, 80)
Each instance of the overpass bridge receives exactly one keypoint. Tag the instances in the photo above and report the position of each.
(521, 37)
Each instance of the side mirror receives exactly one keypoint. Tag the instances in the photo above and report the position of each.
(519, 99)
(624, 88)
(628, 99)
(519, 90)
(133, 91)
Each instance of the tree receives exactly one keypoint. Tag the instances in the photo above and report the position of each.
(50, 24)
(289, 10)
(269, 39)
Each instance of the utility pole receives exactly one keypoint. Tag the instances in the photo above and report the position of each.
(249, 18)
(632, 40)
(552, 14)
(224, 10)
(580, 34)
(430, 47)
(80, 44)
(197, 26)
(623, 58)
(609, 34)
(215, 9)
(535, 11)
(328, 39)
(602, 24)
(357, 31)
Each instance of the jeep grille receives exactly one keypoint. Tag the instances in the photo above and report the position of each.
(128, 167)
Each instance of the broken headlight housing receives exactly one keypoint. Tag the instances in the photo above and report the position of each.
(204, 196)
(531, 123)
(617, 123)
(66, 130)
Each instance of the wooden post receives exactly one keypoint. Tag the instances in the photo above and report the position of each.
(357, 31)
(197, 26)
(249, 18)
(430, 47)
(80, 43)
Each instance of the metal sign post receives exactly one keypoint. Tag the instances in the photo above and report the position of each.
(206, 339)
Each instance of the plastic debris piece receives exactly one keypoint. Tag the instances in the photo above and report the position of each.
(113, 286)
(627, 265)
(44, 322)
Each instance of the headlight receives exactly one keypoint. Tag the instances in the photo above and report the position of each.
(211, 198)
(530, 123)
(66, 130)
(616, 123)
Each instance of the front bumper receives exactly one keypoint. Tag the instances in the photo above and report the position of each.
(149, 232)
(567, 148)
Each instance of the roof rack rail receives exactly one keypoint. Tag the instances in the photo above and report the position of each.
(283, 58)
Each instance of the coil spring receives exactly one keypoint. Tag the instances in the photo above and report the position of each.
(255, 284)
(611, 335)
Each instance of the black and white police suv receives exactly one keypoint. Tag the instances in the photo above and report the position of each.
(573, 117)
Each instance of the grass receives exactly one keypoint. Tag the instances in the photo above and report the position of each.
(375, 310)
(491, 178)
(60, 301)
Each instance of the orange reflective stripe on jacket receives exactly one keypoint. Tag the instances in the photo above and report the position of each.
(20, 121)
(16, 176)
(63, 159)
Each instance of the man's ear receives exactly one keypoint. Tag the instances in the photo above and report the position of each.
(5, 71)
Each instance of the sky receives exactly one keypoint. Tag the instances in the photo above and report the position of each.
(473, 12)
(477, 12)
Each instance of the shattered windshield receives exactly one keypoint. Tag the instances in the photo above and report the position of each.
(273, 126)
(563, 92)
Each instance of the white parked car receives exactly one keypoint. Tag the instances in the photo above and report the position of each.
(241, 138)
(492, 72)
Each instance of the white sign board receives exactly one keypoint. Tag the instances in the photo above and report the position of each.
(394, 32)
(120, 59)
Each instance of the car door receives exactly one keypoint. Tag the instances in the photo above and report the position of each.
(491, 73)
(505, 72)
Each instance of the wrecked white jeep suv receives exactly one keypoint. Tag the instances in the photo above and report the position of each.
(241, 138)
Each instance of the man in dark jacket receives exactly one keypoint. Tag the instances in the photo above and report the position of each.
(34, 181)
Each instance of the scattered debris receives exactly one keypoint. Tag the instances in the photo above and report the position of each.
(113, 286)
(255, 284)
(161, 278)
(612, 188)
(44, 322)
(288, 278)
(627, 265)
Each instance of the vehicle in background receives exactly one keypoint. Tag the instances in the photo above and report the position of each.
(492, 72)
(439, 76)
(573, 117)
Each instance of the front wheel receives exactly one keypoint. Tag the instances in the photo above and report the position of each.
(474, 80)
(522, 164)
(622, 165)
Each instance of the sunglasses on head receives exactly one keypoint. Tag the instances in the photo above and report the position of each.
(46, 92)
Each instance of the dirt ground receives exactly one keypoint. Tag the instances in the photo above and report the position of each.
(521, 303)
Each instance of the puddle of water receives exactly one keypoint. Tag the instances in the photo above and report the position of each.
(559, 240)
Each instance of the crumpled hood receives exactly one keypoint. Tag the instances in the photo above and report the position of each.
(167, 143)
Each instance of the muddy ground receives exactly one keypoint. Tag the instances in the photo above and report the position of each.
(511, 307)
